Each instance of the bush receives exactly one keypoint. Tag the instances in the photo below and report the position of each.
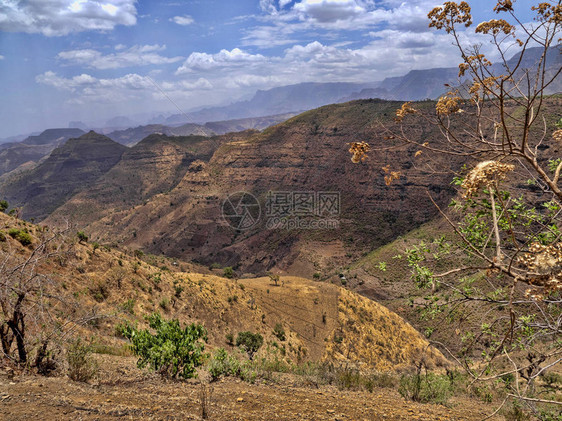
(81, 366)
(228, 272)
(171, 350)
(82, 237)
(279, 332)
(428, 387)
(22, 236)
(251, 342)
(223, 364)
(3, 205)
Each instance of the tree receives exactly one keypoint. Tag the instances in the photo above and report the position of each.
(82, 237)
(251, 342)
(274, 279)
(34, 313)
(507, 215)
(228, 272)
(171, 350)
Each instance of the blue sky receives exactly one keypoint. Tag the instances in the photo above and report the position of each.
(65, 60)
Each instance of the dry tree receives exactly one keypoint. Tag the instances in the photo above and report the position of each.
(507, 215)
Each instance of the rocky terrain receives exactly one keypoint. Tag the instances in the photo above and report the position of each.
(307, 153)
(132, 394)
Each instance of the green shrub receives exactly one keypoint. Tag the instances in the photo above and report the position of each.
(82, 237)
(164, 304)
(4, 205)
(129, 306)
(81, 366)
(428, 387)
(172, 351)
(223, 364)
(228, 272)
(21, 235)
(279, 332)
(250, 342)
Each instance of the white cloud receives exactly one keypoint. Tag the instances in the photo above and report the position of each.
(137, 55)
(330, 10)
(2, 57)
(205, 61)
(182, 20)
(61, 17)
(132, 87)
(286, 24)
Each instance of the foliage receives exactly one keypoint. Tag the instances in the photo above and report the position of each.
(4, 205)
(21, 235)
(82, 237)
(223, 364)
(279, 332)
(228, 272)
(250, 342)
(81, 366)
(505, 294)
(425, 388)
(171, 350)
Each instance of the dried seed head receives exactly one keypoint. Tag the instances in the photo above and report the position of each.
(359, 151)
(485, 174)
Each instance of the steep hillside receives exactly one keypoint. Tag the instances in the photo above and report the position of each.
(115, 286)
(152, 167)
(306, 153)
(70, 168)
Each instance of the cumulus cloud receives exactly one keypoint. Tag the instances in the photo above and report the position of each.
(286, 24)
(61, 17)
(85, 88)
(205, 61)
(182, 20)
(330, 10)
(137, 55)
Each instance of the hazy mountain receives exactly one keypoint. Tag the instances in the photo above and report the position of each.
(53, 136)
(78, 125)
(284, 99)
(430, 83)
(130, 137)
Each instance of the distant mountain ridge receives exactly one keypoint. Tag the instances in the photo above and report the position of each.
(132, 136)
(69, 168)
(32, 149)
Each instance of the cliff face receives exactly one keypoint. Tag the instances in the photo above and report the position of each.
(70, 168)
(32, 149)
(152, 167)
(308, 153)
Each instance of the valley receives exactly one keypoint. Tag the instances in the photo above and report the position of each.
(292, 210)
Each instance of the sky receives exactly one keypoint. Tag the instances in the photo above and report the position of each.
(91, 60)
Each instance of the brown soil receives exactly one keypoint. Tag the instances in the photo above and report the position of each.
(126, 393)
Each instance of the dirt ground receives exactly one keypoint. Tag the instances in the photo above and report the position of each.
(122, 392)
